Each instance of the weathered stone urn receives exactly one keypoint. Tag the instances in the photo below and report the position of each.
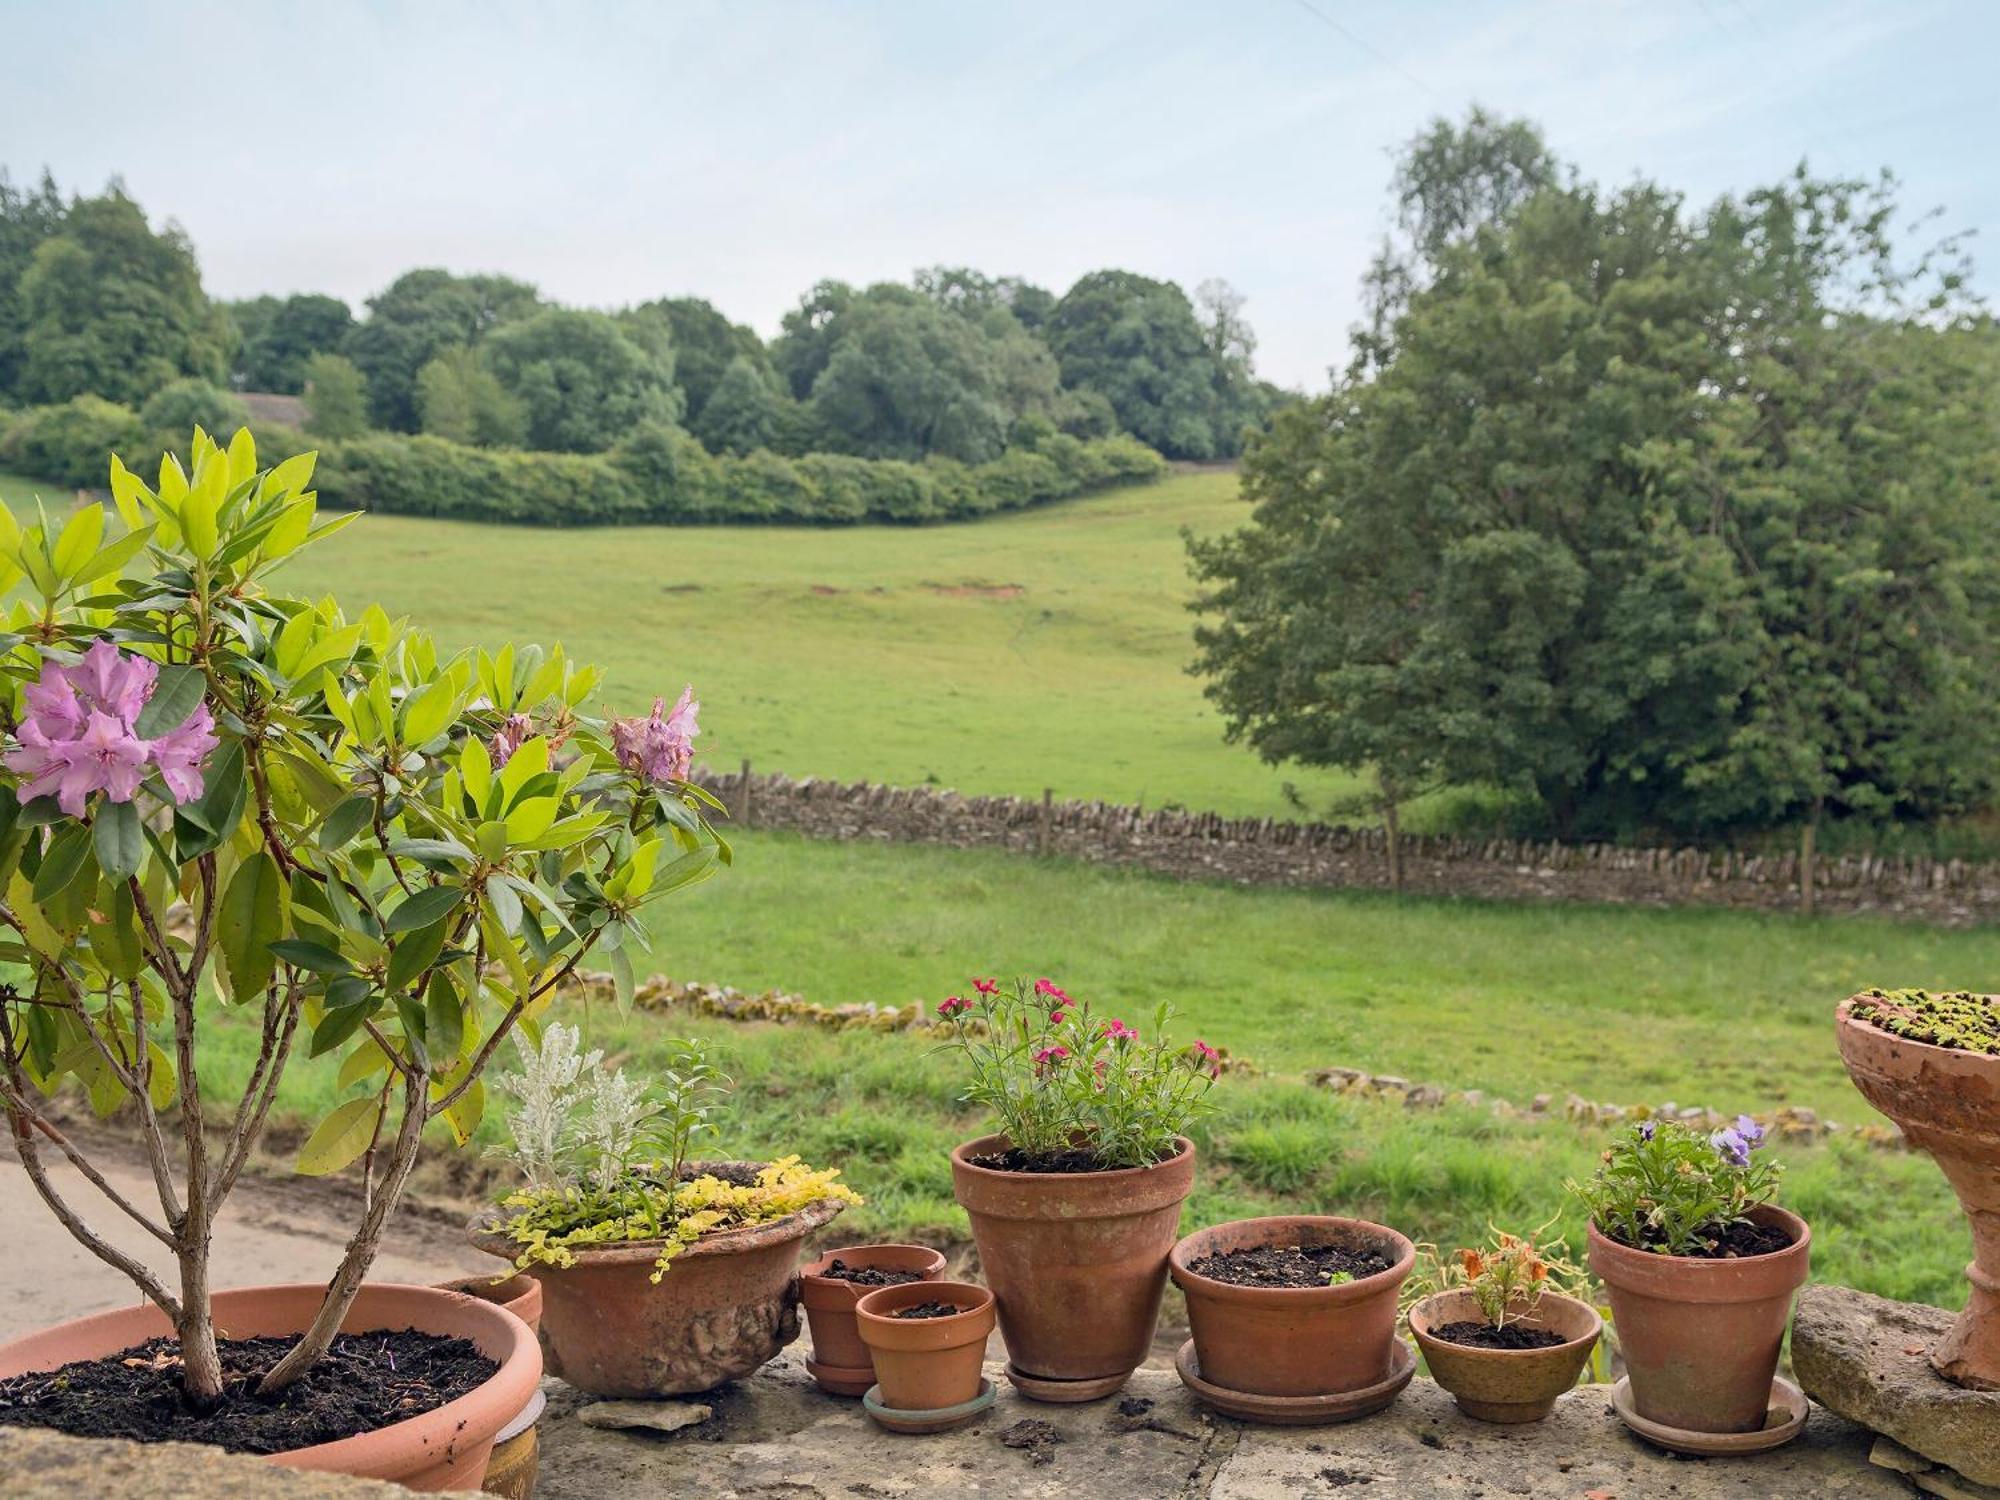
(1947, 1101)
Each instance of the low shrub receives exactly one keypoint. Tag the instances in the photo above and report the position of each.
(66, 444)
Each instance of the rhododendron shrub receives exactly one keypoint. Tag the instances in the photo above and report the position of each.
(1059, 1078)
(388, 856)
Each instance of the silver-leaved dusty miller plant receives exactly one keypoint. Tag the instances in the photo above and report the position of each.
(545, 1091)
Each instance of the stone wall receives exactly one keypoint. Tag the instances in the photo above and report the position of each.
(1267, 851)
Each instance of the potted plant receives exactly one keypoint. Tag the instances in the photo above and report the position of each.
(1504, 1327)
(1294, 1316)
(1076, 1199)
(928, 1342)
(1931, 1063)
(830, 1287)
(1701, 1266)
(362, 845)
(660, 1276)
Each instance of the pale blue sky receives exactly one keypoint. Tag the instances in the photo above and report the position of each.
(614, 152)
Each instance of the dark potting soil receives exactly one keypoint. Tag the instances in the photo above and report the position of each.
(735, 1173)
(1739, 1241)
(1476, 1335)
(928, 1310)
(840, 1270)
(1014, 1159)
(1291, 1265)
(365, 1381)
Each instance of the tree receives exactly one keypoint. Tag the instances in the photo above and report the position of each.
(1137, 341)
(278, 336)
(336, 397)
(461, 399)
(906, 380)
(27, 218)
(419, 315)
(705, 345)
(746, 410)
(962, 289)
(112, 309)
(187, 404)
(807, 334)
(1638, 513)
(582, 379)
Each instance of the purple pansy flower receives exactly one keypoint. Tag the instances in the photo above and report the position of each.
(1731, 1146)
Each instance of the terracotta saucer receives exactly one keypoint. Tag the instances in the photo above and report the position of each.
(1300, 1411)
(943, 1419)
(1783, 1422)
(1065, 1392)
(841, 1380)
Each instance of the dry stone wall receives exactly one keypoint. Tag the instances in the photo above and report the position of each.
(1267, 851)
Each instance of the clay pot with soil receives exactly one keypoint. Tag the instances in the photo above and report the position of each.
(1294, 1306)
(830, 1287)
(520, 1295)
(928, 1341)
(1700, 1334)
(473, 1365)
(1931, 1063)
(1077, 1261)
(1509, 1372)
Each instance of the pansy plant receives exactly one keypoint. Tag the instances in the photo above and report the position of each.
(387, 856)
(1666, 1187)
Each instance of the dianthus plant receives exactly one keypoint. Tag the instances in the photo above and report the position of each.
(385, 857)
(1665, 1187)
(1059, 1078)
(1506, 1276)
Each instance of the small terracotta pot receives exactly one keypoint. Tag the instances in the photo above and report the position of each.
(1293, 1341)
(925, 1364)
(520, 1295)
(1947, 1102)
(726, 1304)
(445, 1449)
(1507, 1385)
(1700, 1337)
(840, 1361)
(1077, 1262)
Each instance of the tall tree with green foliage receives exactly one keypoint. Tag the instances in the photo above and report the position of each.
(705, 345)
(582, 379)
(336, 397)
(28, 216)
(113, 309)
(745, 411)
(1674, 521)
(418, 316)
(461, 399)
(279, 334)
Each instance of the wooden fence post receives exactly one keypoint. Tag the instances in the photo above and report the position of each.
(743, 797)
(1045, 835)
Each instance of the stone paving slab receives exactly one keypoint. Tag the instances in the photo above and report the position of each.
(777, 1435)
(36, 1465)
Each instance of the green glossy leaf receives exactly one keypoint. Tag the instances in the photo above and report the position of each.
(431, 904)
(315, 957)
(62, 862)
(176, 694)
(250, 920)
(414, 954)
(120, 843)
(345, 821)
(340, 1138)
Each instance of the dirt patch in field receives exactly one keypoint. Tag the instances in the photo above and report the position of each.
(977, 590)
(826, 590)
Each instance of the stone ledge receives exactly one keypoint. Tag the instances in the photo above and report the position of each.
(776, 1434)
(39, 1465)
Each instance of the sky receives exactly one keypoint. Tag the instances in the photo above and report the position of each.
(612, 153)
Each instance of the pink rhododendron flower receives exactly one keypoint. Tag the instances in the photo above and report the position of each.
(1118, 1031)
(515, 732)
(79, 737)
(659, 747)
(953, 1005)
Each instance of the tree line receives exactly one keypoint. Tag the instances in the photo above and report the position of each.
(105, 330)
(1665, 520)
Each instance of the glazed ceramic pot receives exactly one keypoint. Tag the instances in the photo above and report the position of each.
(840, 1361)
(1700, 1337)
(445, 1449)
(1077, 1262)
(1947, 1102)
(725, 1305)
(926, 1364)
(520, 1295)
(1506, 1385)
(1293, 1341)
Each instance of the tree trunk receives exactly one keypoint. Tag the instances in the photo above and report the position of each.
(201, 1362)
(1392, 831)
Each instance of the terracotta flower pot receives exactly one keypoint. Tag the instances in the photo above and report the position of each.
(726, 1305)
(1506, 1385)
(1077, 1262)
(1293, 1341)
(520, 1295)
(1701, 1337)
(926, 1364)
(840, 1361)
(445, 1449)
(1947, 1102)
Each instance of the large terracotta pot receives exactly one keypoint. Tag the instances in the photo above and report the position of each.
(1293, 1341)
(725, 1305)
(1701, 1337)
(1077, 1262)
(1506, 1385)
(1947, 1102)
(926, 1364)
(840, 1361)
(520, 1295)
(445, 1449)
